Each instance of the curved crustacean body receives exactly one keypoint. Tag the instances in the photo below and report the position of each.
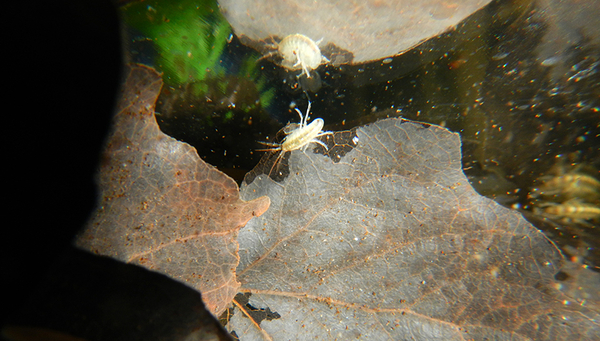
(567, 194)
(568, 185)
(573, 210)
(299, 137)
(299, 52)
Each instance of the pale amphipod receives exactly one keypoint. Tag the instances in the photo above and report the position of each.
(299, 52)
(299, 137)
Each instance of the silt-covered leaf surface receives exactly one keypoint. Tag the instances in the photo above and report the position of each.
(390, 242)
(161, 206)
(365, 30)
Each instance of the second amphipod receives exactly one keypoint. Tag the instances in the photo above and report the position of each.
(299, 52)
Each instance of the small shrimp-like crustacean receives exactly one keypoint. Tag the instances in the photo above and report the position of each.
(568, 185)
(299, 137)
(571, 210)
(299, 52)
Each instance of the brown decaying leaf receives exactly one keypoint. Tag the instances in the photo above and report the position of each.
(391, 242)
(161, 206)
(368, 30)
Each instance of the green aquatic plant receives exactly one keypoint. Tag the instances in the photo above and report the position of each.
(249, 70)
(189, 36)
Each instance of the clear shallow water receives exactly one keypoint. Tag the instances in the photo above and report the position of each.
(518, 81)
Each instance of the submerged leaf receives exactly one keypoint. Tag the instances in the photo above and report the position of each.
(390, 241)
(161, 206)
(347, 31)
